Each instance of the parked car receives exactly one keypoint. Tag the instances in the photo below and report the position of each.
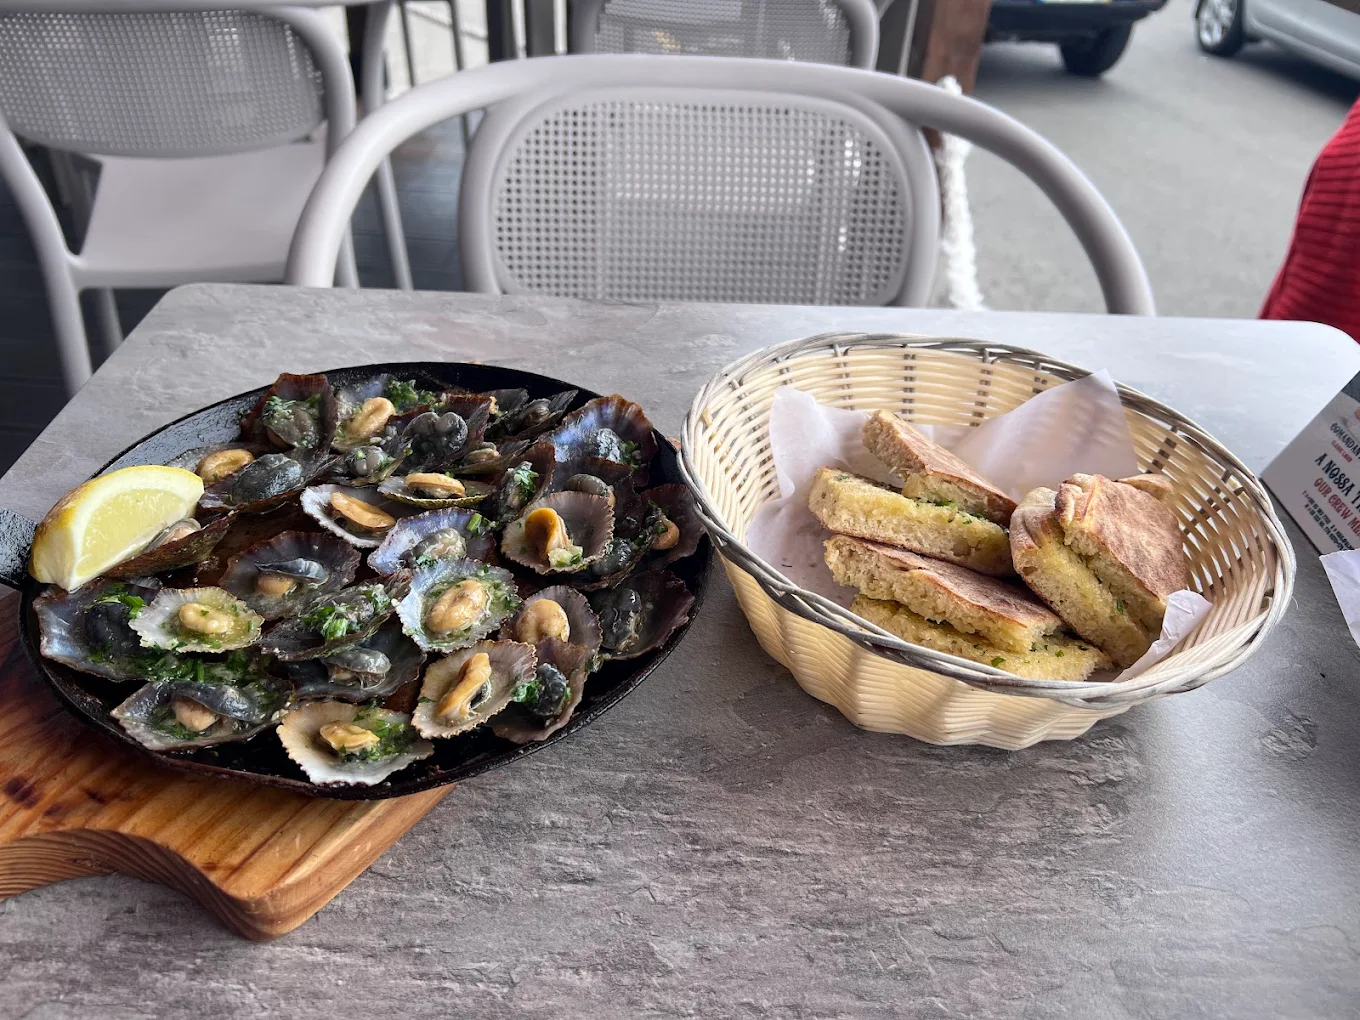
(1091, 36)
(1318, 30)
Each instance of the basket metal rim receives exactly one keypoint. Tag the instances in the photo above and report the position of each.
(1076, 693)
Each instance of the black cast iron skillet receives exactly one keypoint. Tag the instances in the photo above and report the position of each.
(261, 759)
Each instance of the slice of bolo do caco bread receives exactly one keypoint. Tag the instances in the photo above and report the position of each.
(958, 611)
(1105, 555)
(945, 509)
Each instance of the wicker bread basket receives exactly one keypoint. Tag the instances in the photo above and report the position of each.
(1239, 556)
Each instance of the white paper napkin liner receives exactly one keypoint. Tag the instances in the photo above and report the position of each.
(1343, 570)
(1068, 429)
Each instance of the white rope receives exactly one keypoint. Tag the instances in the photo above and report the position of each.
(956, 237)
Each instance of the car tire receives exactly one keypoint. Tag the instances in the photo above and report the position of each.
(1092, 57)
(1218, 26)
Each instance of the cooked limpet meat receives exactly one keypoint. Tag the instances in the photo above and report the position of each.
(267, 476)
(368, 420)
(453, 603)
(215, 466)
(681, 531)
(641, 613)
(338, 620)
(373, 669)
(562, 532)
(611, 429)
(435, 490)
(559, 612)
(362, 517)
(197, 620)
(524, 481)
(89, 629)
(533, 417)
(545, 703)
(268, 481)
(467, 687)
(336, 742)
(298, 411)
(437, 441)
(233, 700)
(424, 539)
(182, 544)
(279, 576)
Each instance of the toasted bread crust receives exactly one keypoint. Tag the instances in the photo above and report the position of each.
(1055, 658)
(1153, 483)
(1060, 576)
(1130, 530)
(850, 505)
(909, 453)
(1006, 614)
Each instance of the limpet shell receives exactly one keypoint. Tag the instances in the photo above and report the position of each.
(300, 734)
(589, 524)
(316, 502)
(160, 626)
(337, 556)
(511, 663)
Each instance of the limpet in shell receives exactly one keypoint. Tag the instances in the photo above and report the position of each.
(307, 565)
(484, 594)
(302, 733)
(560, 533)
(197, 620)
(508, 665)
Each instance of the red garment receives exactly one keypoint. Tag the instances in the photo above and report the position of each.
(1320, 278)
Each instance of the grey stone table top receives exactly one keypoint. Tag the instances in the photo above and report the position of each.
(722, 845)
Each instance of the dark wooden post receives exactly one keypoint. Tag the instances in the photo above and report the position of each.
(945, 39)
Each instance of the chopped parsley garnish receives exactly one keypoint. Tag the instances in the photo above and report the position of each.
(281, 417)
(527, 690)
(560, 559)
(476, 525)
(405, 396)
(393, 738)
(331, 622)
(1059, 653)
(524, 478)
(1119, 606)
(134, 603)
(998, 661)
(174, 728)
(629, 453)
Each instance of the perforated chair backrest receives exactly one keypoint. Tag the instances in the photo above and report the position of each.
(613, 77)
(712, 195)
(163, 83)
(817, 31)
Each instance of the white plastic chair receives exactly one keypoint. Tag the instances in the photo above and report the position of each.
(705, 178)
(821, 31)
(205, 125)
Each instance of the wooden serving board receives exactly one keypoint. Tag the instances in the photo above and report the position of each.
(73, 803)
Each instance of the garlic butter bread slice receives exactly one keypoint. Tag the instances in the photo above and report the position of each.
(1054, 657)
(1108, 572)
(1007, 615)
(930, 472)
(1129, 537)
(851, 505)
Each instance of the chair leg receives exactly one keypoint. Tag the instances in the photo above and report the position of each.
(346, 269)
(110, 327)
(407, 42)
(389, 210)
(68, 324)
(459, 62)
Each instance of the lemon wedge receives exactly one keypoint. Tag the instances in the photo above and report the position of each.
(109, 519)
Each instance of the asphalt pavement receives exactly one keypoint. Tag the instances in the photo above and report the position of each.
(1203, 158)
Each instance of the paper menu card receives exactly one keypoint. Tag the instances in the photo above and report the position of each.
(1316, 477)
